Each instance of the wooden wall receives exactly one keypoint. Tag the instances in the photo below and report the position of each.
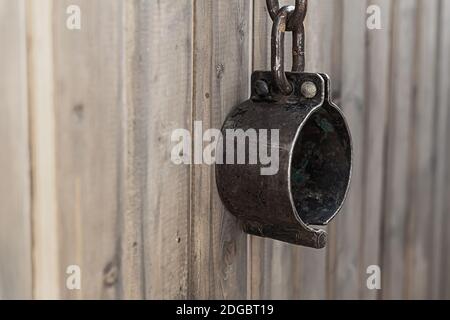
(85, 127)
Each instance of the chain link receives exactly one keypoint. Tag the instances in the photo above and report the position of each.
(295, 19)
(287, 18)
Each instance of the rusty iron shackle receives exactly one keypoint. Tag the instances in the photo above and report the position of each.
(288, 18)
(306, 180)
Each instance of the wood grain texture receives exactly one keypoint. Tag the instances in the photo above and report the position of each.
(377, 78)
(46, 268)
(136, 159)
(439, 282)
(422, 160)
(161, 101)
(348, 223)
(15, 196)
(336, 74)
(397, 162)
(444, 279)
(444, 276)
(222, 65)
(89, 139)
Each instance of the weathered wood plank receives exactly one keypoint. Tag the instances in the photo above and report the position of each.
(336, 78)
(444, 101)
(15, 202)
(222, 65)
(46, 269)
(137, 155)
(439, 282)
(348, 223)
(444, 275)
(160, 100)
(397, 182)
(282, 271)
(422, 158)
(322, 52)
(89, 145)
(377, 75)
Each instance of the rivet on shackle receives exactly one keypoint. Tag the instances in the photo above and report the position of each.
(309, 90)
(262, 88)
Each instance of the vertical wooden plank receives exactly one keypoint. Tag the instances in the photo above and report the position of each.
(396, 185)
(159, 101)
(15, 206)
(439, 249)
(278, 270)
(274, 269)
(348, 223)
(260, 249)
(272, 265)
(86, 108)
(221, 78)
(137, 157)
(422, 166)
(322, 53)
(46, 269)
(377, 75)
(336, 78)
(444, 98)
(444, 275)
